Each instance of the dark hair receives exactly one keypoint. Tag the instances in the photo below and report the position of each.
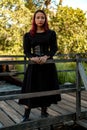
(34, 27)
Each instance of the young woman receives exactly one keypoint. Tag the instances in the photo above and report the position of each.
(40, 44)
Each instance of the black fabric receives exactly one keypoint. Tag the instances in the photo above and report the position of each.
(46, 40)
(40, 77)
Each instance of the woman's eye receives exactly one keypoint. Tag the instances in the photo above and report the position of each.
(40, 18)
(43, 18)
(37, 17)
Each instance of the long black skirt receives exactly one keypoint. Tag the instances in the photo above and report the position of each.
(40, 78)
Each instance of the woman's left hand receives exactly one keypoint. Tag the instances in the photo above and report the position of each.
(43, 59)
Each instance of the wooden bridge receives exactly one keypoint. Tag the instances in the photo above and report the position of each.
(68, 113)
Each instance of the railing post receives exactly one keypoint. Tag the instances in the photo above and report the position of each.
(78, 89)
(24, 63)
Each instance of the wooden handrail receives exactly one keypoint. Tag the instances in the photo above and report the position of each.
(83, 75)
(36, 94)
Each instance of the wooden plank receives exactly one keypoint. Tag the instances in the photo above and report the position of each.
(72, 94)
(40, 123)
(59, 109)
(69, 98)
(18, 108)
(34, 114)
(52, 112)
(67, 107)
(83, 95)
(5, 120)
(6, 89)
(16, 117)
(83, 75)
(73, 100)
(82, 123)
(9, 87)
(69, 103)
(36, 94)
(72, 104)
(8, 73)
(85, 92)
(30, 62)
(84, 104)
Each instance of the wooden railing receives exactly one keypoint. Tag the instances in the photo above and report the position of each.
(80, 76)
(83, 75)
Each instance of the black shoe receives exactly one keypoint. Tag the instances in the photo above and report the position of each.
(24, 119)
(26, 115)
(44, 114)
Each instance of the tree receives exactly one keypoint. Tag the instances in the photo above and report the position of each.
(70, 25)
(15, 19)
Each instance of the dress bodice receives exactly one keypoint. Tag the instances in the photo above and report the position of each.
(41, 44)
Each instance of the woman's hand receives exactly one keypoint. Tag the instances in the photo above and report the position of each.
(35, 59)
(43, 59)
(39, 60)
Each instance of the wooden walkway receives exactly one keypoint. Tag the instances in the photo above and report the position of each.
(11, 112)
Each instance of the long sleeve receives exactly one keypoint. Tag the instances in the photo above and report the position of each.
(53, 44)
(27, 45)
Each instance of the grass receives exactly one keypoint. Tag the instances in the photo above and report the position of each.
(69, 76)
(20, 68)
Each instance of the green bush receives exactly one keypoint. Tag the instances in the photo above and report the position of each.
(20, 68)
(66, 76)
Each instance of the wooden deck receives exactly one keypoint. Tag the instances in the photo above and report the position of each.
(65, 111)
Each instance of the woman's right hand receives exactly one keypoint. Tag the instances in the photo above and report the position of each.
(35, 59)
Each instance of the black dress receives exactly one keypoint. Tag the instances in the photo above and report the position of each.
(40, 77)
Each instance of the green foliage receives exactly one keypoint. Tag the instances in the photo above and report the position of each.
(66, 76)
(70, 25)
(20, 68)
(15, 19)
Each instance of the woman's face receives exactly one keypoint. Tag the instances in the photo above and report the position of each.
(39, 19)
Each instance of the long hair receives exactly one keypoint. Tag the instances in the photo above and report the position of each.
(34, 26)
